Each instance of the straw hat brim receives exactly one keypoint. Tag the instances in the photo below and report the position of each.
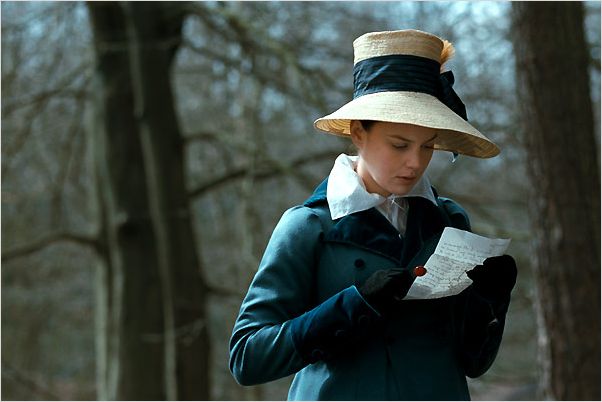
(453, 133)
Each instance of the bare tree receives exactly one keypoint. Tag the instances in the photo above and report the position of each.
(155, 34)
(156, 340)
(552, 69)
(130, 361)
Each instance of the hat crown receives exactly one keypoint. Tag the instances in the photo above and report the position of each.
(407, 42)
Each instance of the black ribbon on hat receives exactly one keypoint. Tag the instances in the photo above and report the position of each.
(406, 73)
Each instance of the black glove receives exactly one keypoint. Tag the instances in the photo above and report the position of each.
(383, 288)
(494, 279)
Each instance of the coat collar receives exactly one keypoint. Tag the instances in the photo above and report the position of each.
(319, 195)
(370, 230)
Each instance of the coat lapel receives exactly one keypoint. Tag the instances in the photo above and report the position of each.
(424, 228)
(371, 231)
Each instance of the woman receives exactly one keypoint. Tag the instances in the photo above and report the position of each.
(327, 302)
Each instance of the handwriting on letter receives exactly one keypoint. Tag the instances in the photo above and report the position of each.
(458, 251)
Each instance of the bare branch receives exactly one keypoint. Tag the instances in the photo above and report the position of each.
(221, 291)
(43, 96)
(19, 377)
(271, 169)
(202, 136)
(66, 166)
(14, 147)
(38, 102)
(61, 89)
(49, 240)
(255, 42)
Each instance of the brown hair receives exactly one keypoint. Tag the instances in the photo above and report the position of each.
(367, 124)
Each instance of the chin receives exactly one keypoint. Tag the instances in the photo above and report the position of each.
(400, 190)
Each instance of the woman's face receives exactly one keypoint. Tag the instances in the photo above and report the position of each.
(392, 156)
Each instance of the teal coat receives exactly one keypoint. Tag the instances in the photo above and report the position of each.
(303, 313)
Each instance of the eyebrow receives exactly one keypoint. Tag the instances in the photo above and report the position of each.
(408, 140)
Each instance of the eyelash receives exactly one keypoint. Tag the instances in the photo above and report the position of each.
(403, 146)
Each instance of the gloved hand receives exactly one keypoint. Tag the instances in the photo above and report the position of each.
(384, 288)
(495, 278)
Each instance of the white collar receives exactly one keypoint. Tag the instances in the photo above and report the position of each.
(347, 194)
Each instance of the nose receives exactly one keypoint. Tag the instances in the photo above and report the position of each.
(414, 158)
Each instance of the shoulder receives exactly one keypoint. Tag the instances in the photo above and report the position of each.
(455, 212)
(296, 237)
(299, 220)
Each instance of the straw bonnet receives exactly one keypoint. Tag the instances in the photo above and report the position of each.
(397, 78)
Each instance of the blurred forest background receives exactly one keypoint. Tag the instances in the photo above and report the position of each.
(247, 81)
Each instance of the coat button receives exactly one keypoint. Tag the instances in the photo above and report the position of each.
(363, 320)
(493, 324)
(317, 354)
(359, 263)
(340, 333)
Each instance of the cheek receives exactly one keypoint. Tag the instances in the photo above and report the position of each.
(387, 162)
(378, 160)
(427, 159)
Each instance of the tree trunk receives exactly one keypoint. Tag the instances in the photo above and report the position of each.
(153, 337)
(553, 83)
(130, 364)
(155, 34)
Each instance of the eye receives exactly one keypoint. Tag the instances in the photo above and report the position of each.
(400, 146)
(429, 146)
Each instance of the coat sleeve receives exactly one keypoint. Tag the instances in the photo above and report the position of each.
(279, 329)
(481, 329)
(480, 321)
